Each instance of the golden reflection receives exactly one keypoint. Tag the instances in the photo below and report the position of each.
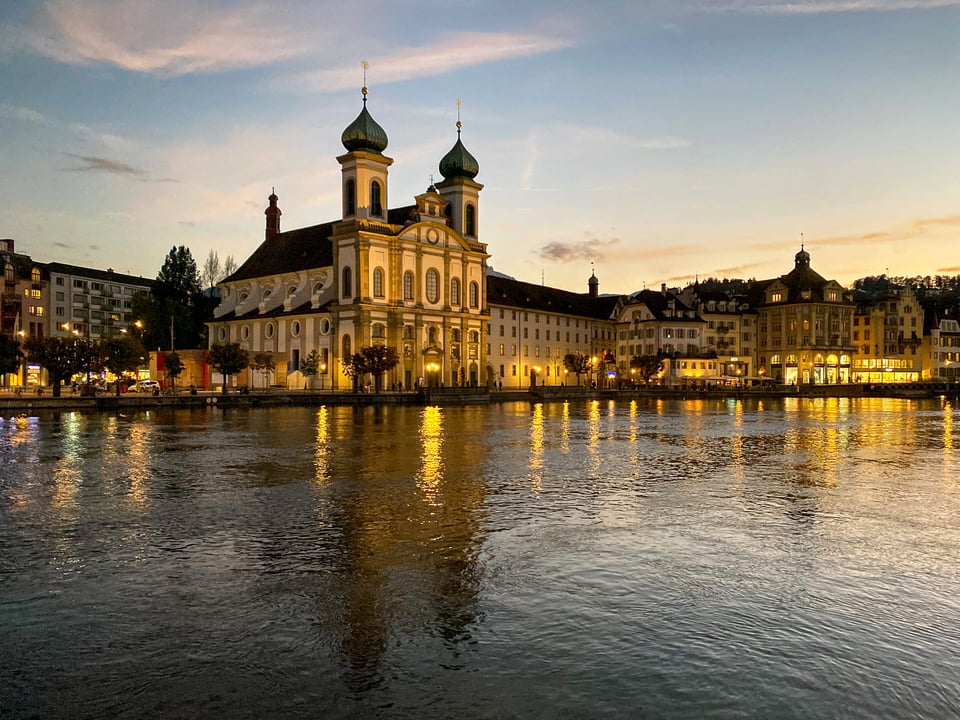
(67, 476)
(139, 461)
(565, 428)
(321, 453)
(593, 436)
(431, 461)
(633, 421)
(948, 438)
(736, 441)
(536, 447)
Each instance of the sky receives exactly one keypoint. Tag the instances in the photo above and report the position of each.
(649, 141)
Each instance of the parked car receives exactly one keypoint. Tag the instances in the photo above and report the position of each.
(147, 386)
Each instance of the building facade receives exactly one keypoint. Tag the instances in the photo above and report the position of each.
(91, 303)
(805, 323)
(888, 339)
(412, 278)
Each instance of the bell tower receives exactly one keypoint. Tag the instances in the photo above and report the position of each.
(363, 167)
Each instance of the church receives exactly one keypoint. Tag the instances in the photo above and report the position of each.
(412, 277)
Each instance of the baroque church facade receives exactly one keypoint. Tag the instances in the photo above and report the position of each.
(412, 278)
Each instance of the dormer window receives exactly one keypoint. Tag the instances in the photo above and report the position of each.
(776, 297)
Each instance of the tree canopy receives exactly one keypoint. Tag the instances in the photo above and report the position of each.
(60, 357)
(10, 355)
(228, 359)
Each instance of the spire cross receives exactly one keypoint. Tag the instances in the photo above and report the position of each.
(365, 65)
(459, 124)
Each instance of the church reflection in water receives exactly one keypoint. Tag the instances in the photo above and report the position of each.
(406, 505)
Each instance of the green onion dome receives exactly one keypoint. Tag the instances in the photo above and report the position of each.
(364, 133)
(459, 163)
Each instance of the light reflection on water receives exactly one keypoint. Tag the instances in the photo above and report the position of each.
(791, 558)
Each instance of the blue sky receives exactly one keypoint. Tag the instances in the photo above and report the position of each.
(657, 140)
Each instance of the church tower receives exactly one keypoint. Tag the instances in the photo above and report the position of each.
(273, 216)
(364, 168)
(462, 193)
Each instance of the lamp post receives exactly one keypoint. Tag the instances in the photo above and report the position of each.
(593, 368)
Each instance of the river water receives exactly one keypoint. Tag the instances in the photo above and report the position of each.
(677, 559)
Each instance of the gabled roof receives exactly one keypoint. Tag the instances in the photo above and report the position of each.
(659, 304)
(289, 251)
(514, 293)
(302, 309)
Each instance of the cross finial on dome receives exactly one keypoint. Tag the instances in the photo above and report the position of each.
(366, 66)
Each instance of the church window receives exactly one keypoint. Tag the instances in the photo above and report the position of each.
(347, 285)
(268, 331)
(349, 198)
(378, 331)
(433, 285)
(455, 291)
(244, 332)
(470, 220)
(346, 347)
(295, 328)
(408, 285)
(378, 282)
(454, 335)
(474, 295)
(376, 200)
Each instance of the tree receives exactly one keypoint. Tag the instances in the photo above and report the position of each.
(10, 355)
(175, 310)
(229, 267)
(227, 359)
(354, 367)
(577, 363)
(647, 365)
(310, 365)
(174, 367)
(122, 355)
(264, 364)
(378, 359)
(211, 270)
(60, 357)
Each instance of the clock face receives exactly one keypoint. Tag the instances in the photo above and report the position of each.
(432, 236)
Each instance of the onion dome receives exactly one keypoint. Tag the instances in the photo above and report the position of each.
(802, 258)
(364, 133)
(459, 164)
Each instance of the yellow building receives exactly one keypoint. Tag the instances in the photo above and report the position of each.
(888, 339)
(804, 327)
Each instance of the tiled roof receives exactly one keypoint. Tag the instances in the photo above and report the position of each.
(302, 309)
(289, 251)
(514, 293)
(659, 303)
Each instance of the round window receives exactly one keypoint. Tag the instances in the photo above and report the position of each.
(222, 334)
(324, 326)
(268, 331)
(295, 328)
(244, 332)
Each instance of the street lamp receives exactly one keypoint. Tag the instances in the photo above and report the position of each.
(323, 371)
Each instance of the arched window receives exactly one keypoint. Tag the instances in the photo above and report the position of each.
(474, 295)
(470, 220)
(378, 330)
(346, 347)
(378, 282)
(408, 285)
(454, 335)
(474, 336)
(35, 275)
(408, 332)
(432, 335)
(455, 291)
(346, 289)
(376, 199)
(433, 286)
(349, 198)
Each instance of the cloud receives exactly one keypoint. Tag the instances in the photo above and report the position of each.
(173, 38)
(15, 112)
(453, 52)
(105, 165)
(812, 7)
(592, 249)
(603, 137)
(954, 269)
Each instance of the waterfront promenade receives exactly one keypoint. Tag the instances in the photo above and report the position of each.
(10, 403)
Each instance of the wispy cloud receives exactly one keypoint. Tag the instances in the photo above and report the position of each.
(812, 7)
(598, 136)
(954, 269)
(22, 114)
(176, 37)
(452, 52)
(102, 165)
